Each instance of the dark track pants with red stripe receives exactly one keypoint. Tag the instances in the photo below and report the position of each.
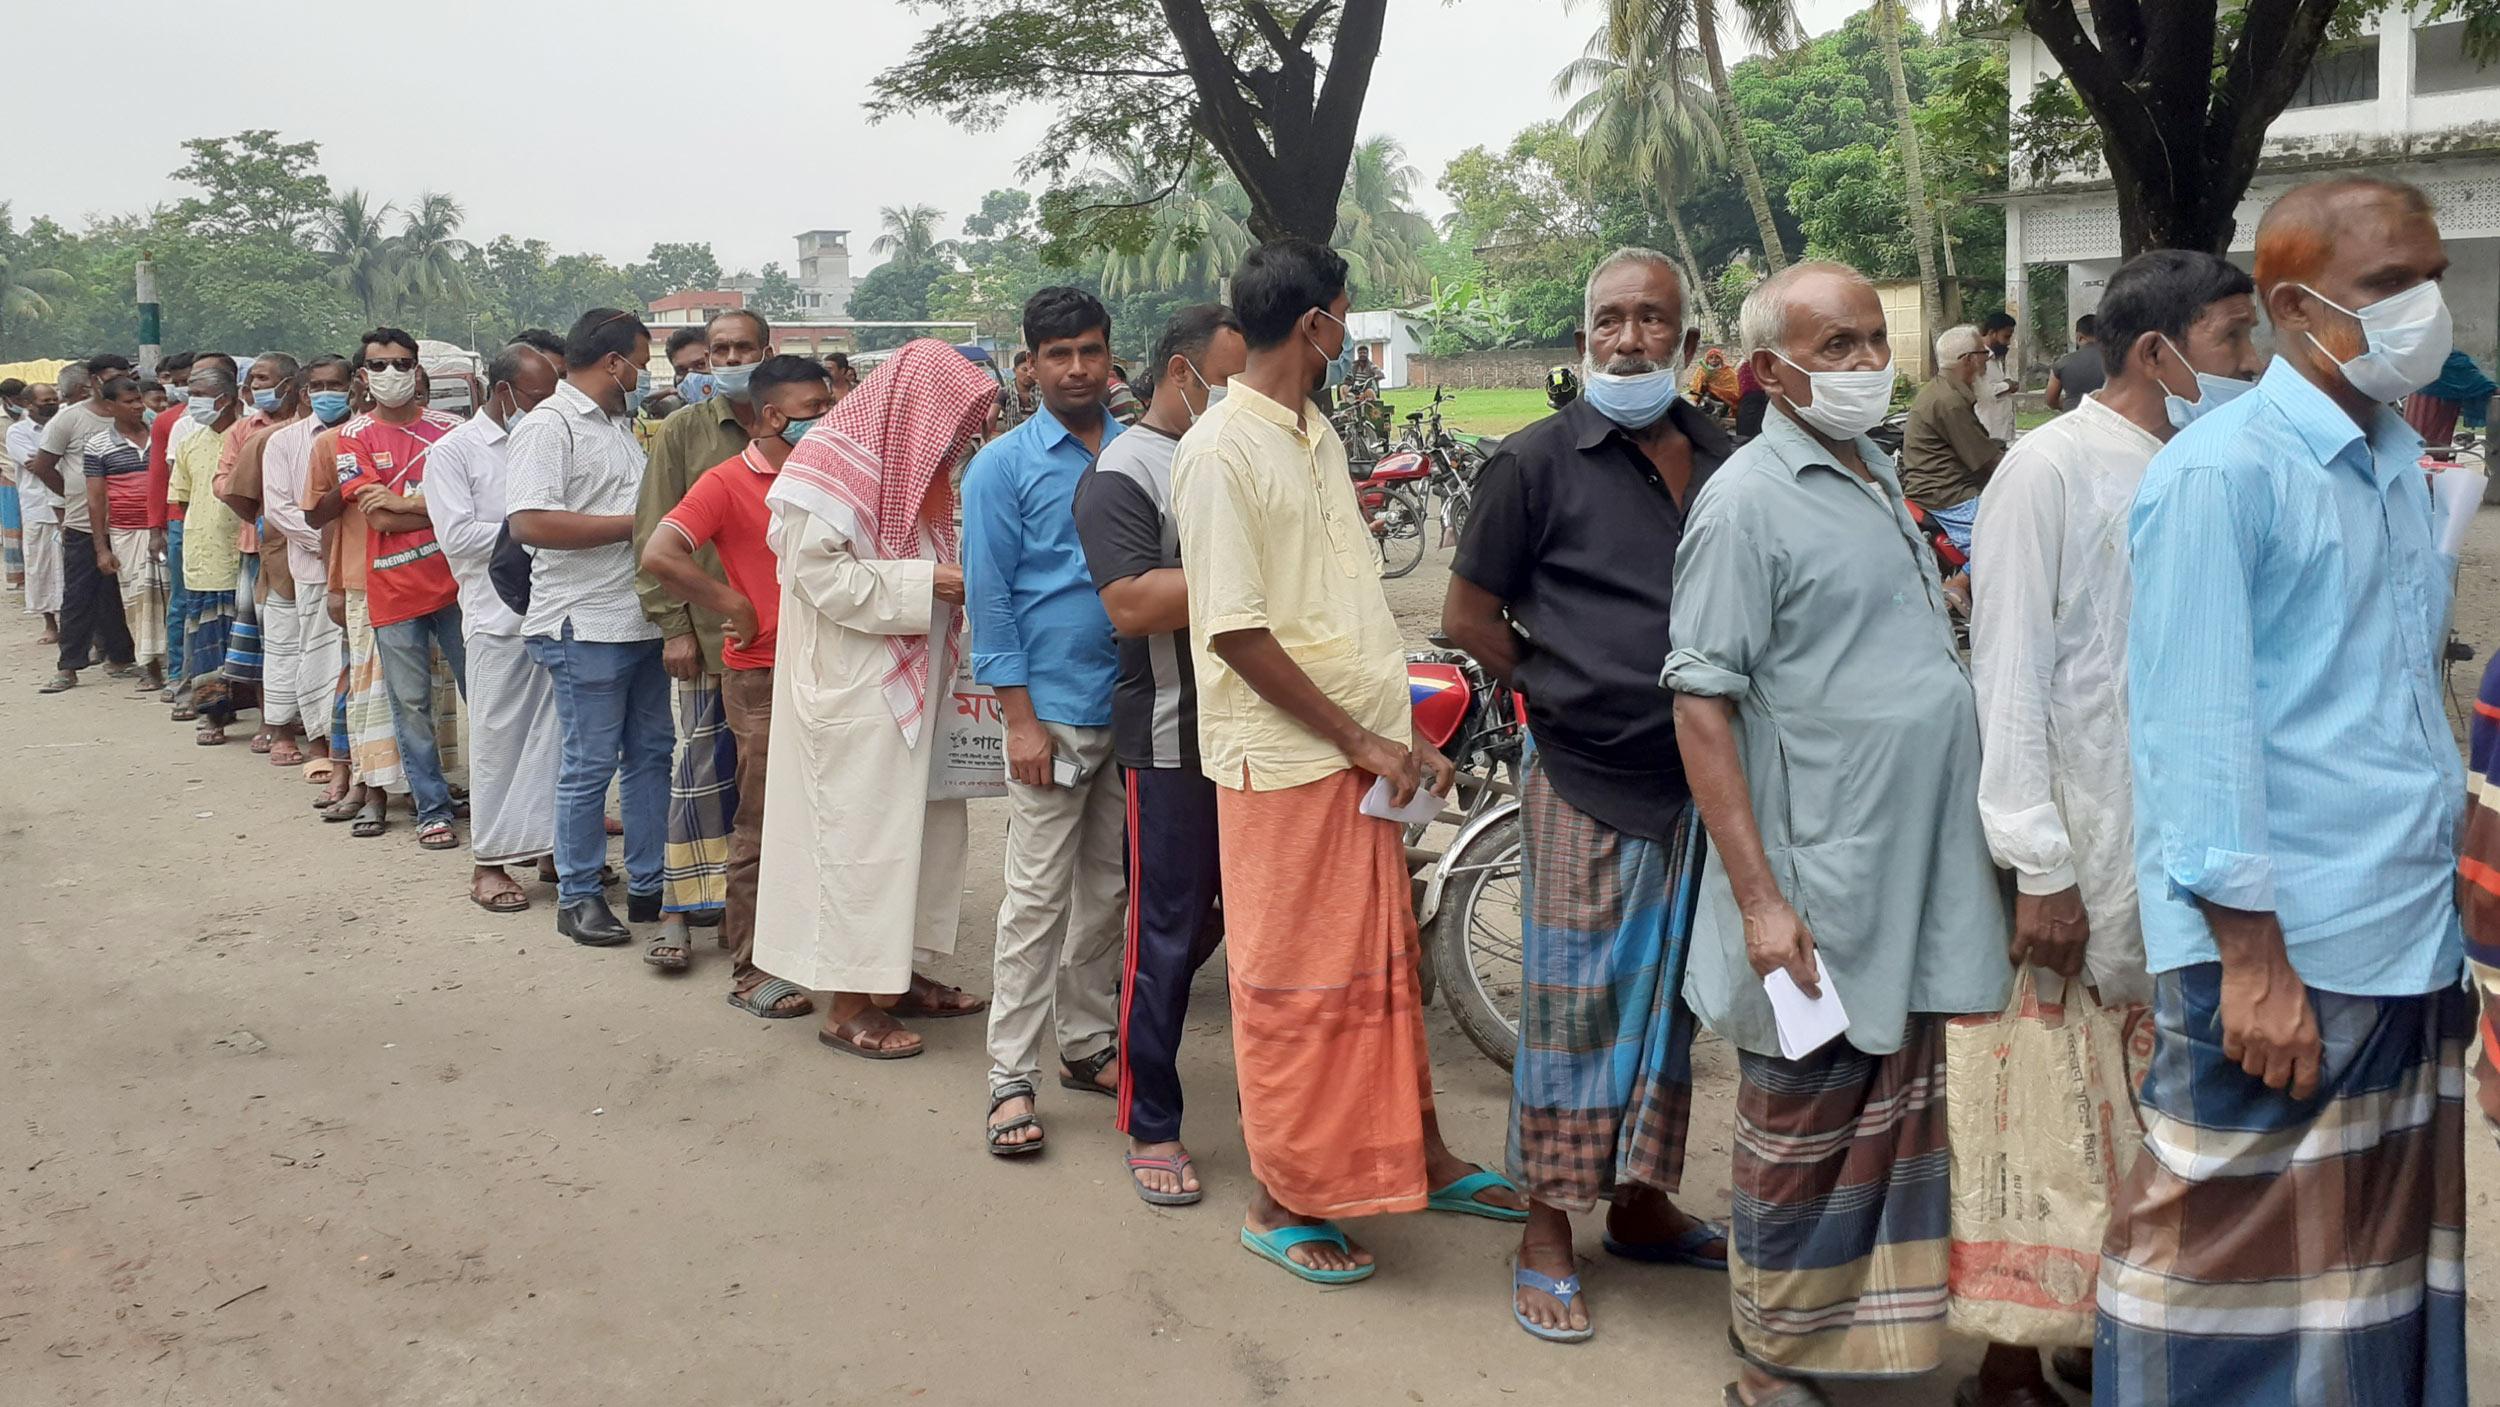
(1173, 927)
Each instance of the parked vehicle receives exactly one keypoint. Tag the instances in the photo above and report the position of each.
(1390, 492)
(1456, 464)
(1468, 896)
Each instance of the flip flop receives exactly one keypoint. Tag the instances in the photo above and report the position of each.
(763, 999)
(1564, 1291)
(186, 714)
(320, 770)
(291, 756)
(1460, 1197)
(838, 1039)
(438, 835)
(210, 739)
(1272, 1245)
(1683, 1250)
(261, 745)
(1014, 1089)
(1178, 1165)
(59, 684)
(346, 808)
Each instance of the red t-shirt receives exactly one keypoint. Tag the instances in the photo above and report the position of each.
(160, 467)
(726, 509)
(408, 576)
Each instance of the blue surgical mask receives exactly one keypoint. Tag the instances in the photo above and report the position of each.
(797, 430)
(179, 395)
(731, 381)
(203, 409)
(697, 386)
(2212, 392)
(1634, 401)
(265, 400)
(634, 394)
(1344, 360)
(330, 407)
(148, 419)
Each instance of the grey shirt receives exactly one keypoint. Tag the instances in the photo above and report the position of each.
(1804, 595)
(66, 435)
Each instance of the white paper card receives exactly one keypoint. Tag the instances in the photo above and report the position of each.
(1807, 1024)
(1421, 808)
(2458, 492)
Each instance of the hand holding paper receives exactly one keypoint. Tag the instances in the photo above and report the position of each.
(1807, 1024)
(1419, 808)
(2458, 492)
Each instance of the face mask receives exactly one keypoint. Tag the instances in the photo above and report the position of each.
(2212, 392)
(2407, 337)
(1214, 392)
(731, 381)
(148, 419)
(179, 395)
(330, 407)
(1634, 400)
(797, 430)
(42, 415)
(1847, 404)
(392, 388)
(698, 386)
(203, 410)
(1338, 364)
(265, 400)
(633, 394)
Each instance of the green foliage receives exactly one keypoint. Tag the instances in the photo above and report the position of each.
(897, 290)
(673, 268)
(776, 294)
(251, 184)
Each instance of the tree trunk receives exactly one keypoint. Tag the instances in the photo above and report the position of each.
(1700, 290)
(1740, 150)
(1292, 146)
(1913, 171)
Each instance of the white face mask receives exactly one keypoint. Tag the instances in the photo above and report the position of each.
(2212, 392)
(2406, 339)
(1214, 392)
(1846, 404)
(391, 388)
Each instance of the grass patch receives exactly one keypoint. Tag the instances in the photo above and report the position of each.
(1477, 412)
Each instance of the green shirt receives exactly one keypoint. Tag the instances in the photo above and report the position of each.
(1946, 456)
(689, 442)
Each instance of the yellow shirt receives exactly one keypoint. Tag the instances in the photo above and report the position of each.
(210, 551)
(1272, 537)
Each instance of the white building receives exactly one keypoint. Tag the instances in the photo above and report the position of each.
(1393, 337)
(823, 274)
(2402, 100)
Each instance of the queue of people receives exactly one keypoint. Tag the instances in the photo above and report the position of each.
(2199, 724)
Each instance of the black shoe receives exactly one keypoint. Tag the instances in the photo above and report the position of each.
(642, 908)
(591, 923)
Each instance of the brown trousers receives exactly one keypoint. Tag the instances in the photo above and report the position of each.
(747, 700)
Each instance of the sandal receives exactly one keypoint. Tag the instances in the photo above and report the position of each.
(1563, 1292)
(345, 807)
(286, 754)
(1082, 1076)
(1685, 1249)
(1178, 1165)
(915, 1000)
(1272, 1245)
(678, 959)
(372, 819)
(186, 714)
(262, 743)
(1014, 1089)
(210, 738)
(1460, 1197)
(504, 901)
(765, 998)
(120, 671)
(871, 1021)
(320, 770)
(438, 835)
(61, 683)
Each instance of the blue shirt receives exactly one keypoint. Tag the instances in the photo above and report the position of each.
(2289, 747)
(1036, 621)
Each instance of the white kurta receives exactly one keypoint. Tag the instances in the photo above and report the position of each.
(2048, 646)
(861, 872)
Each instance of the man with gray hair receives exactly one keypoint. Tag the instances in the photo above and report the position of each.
(1946, 455)
(1831, 741)
(92, 620)
(1563, 587)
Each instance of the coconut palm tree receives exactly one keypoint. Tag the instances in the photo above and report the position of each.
(1666, 26)
(1643, 119)
(431, 255)
(25, 291)
(1888, 21)
(911, 233)
(1201, 225)
(363, 258)
(1378, 229)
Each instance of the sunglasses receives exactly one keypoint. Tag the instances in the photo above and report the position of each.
(390, 363)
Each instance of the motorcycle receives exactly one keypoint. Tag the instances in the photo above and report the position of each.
(1468, 900)
(1456, 464)
(1388, 489)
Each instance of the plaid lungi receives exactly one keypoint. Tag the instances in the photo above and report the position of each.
(2294, 1253)
(1602, 1089)
(207, 627)
(1841, 1235)
(243, 664)
(12, 537)
(702, 801)
(143, 592)
(372, 729)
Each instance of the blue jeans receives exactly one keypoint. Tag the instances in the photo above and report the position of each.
(177, 603)
(612, 702)
(407, 648)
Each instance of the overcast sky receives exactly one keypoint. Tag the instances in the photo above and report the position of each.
(750, 128)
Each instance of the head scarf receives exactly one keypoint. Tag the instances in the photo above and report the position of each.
(866, 469)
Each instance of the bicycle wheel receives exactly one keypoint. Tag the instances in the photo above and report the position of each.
(1397, 524)
(1475, 939)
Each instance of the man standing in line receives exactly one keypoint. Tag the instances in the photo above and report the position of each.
(302, 677)
(410, 595)
(1832, 745)
(275, 386)
(168, 429)
(689, 364)
(2080, 372)
(845, 379)
(1132, 549)
(1041, 639)
(725, 510)
(1571, 546)
(1302, 709)
(117, 488)
(213, 562)
(1946, 455)
(2295, 1231)
(703, 787)
(40, 506)
(574, 474)
(91, 617)
(1995, 384)
(513, 728)
(2048, 644)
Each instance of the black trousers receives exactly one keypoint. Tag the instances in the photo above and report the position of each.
(1173, 927)
(91, 608)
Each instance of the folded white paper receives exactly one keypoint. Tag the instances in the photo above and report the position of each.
(1422, 807)
(2459, 493)
(1807, 1024)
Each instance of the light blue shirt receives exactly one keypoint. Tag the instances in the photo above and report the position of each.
(2290, 751)
(1036, 620)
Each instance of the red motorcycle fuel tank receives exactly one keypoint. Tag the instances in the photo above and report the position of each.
(1441, 695)
(1405, 464)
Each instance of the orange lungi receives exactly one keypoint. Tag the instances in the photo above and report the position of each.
(1328, 1025)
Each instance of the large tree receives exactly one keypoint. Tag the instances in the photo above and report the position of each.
(2184, 90)
(1644, 122)
(25, 290)
(674, 268)
(1919, 215)
(1669, 27)
(1274, 90)
(364, 258)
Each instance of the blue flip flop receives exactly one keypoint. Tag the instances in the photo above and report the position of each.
(1683, 1250)
(1460, 1197)
(1564, 1290)
(1272, 1245)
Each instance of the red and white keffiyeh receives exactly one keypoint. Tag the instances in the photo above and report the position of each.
(865, 471)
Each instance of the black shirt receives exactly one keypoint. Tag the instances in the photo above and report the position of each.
(1123, 521)
(1576, 534)
(2080, 373)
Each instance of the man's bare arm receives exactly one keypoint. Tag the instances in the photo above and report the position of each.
(1472, 618)
(1149, 603)
(1263, 664)
(570, 532)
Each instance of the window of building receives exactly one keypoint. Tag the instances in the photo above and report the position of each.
(2441, 65)
(2342, 73)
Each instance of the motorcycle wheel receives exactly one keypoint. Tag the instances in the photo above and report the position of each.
(1475, 939)
(1398, 532)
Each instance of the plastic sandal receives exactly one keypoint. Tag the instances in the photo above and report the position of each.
(1564, 1292)
(1084, 1076)
(765, 999)
(1178, 1165)
(845, 1038)
(1013, 1089)
(1683, 1250)
(438, 835)
(1272, 1245)
(1460, 1197)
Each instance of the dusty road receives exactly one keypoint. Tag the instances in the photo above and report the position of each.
(289, 1120)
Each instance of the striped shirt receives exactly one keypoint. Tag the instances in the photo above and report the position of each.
(123, 466)
(2290, 752)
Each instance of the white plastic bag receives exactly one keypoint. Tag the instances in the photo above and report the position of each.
(971, 759)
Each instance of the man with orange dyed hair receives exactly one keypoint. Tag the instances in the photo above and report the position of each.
(2296, 1232)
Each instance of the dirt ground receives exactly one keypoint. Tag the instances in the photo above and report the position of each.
(289, 1120)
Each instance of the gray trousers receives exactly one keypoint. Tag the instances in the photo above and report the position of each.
(1060, 925)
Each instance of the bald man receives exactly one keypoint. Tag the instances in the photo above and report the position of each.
(2296, 1233)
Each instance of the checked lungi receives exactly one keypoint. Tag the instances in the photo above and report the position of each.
(372, 729)
(1838, 1247)
(1602, 1089)
(207, 625)
(702, 801)
(12, 537)
(243, 662)
(2292, 1253)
